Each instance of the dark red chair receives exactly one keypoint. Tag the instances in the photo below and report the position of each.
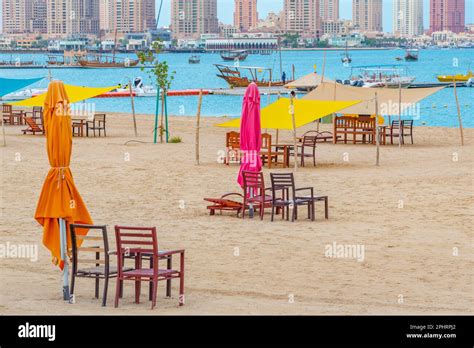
(255, 192)
(143, 242)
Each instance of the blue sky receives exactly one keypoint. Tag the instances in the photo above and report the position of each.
(226, 9)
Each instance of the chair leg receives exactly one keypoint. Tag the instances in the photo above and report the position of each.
(73, 279)
(181, 285)
(314, 158)
(169, 265)
(150, 288)
(137, 289)
(96, 286)
(121, 288)
(313, 211)
(106, 285)
(273, 212)
(155, 290)
(326, 208)
(118, 291)
(262, 210)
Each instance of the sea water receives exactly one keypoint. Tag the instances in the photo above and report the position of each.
(436, 110)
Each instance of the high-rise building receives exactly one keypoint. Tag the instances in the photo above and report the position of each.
(448, 15)
(72, 17)
(24, 16)
(127, 16)
(245, 14)
(302, 16)
(367, 15)
(329, 10)
(408, 17)
(191, 18)
(13, 16)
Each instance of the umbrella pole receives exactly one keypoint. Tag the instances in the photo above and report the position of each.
(133, 108)
(400, 129)
(198, 125)
(377, 130)
(63, 241)
(459, 113)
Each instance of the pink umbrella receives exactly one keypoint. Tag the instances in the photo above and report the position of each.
(250, 132)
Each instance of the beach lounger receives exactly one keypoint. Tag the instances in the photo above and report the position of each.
(33, 127)
(225, 204)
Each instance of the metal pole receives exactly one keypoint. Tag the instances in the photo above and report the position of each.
(166, 119)
(400, 129)
(3, 131)
(377, 131)
(133, 108)
(198, 124)
(459, 113)
(157, 110)
(63, 249)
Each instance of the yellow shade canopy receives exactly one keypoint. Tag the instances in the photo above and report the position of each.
(278, 115)
(75, 93)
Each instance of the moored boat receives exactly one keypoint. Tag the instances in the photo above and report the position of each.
(194, 60)
(456, 78)
(412, 55)
(234, 55)
(104, 61)
(244, 76)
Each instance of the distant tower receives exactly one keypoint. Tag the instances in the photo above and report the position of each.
(302, 16)
(13, 16)
(130, 16)
(329, 10)
(245, 14)
(448, 15)
(191, 18)
(367, 15)
(408, 17)
(68, 17)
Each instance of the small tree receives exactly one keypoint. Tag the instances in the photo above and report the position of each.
(162, 78)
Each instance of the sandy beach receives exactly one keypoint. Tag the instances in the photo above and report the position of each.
(413, 215)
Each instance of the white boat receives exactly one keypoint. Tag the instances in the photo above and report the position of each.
(381, 77)
(25, 94)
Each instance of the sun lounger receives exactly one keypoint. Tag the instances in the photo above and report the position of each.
(32, 126)
(225, 203)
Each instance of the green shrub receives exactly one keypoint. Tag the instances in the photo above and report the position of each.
(176, 140)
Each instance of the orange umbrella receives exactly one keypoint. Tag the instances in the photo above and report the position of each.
(60, 203)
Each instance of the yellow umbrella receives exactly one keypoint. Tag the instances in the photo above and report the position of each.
(76, 93)
(60, 203)
(279, 116)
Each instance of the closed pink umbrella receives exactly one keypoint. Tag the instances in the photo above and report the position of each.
(250, 132)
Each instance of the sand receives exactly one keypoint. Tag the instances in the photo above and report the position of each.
(413, 216)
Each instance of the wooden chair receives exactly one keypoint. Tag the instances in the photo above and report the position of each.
(139, 242)
(255, 192)
(286, 182)
(9, 115)
(407, 130)
(36, 114)
(98, 123)
(33, 127)
(307, 148)
(394, 131)
(268, 154)
(232, 147)
(98, 267)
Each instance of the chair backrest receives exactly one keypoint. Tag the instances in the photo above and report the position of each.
(365, 122)
(396, 124)
(281, 181)
(345, 122)
(232, 140)
(254, 182)
(310, 140)
(7, 109)
(30, 121)
(266, 141)
(136, 240)
(83, 252)
(407, 123)
(311, 132)
(99, 118)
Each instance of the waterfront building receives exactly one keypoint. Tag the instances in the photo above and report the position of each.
(252, 44)
(130, 16)
(272, 23)
(36, 16)
(329, 10)
(448, 15)
(338, 27)
(13, 16)
(408, 18)
(349, 40)
(191, 18)
(245, 14)
(367, 15)
(302, 16)
(228, 30)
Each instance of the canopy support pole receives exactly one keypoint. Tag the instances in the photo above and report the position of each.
(63, 248)
(157, 110)
(295, 149)
(198, 125)
(459, 113)
(3, 132)
(400, 129)
(133, 108)
(377, 129)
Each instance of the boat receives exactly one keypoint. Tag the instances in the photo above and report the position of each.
(235, 55)
(105, 61)
(194, 60)
(13, 63)
(24, 94)
(346, 57)
(380, 77)
(411, 55)
(243, 76)
(398, 59)
(457, 78)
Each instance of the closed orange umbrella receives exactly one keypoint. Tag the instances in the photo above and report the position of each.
(60, 203)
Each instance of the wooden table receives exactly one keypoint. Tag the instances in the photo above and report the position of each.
(286, 152)
(78, 123)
